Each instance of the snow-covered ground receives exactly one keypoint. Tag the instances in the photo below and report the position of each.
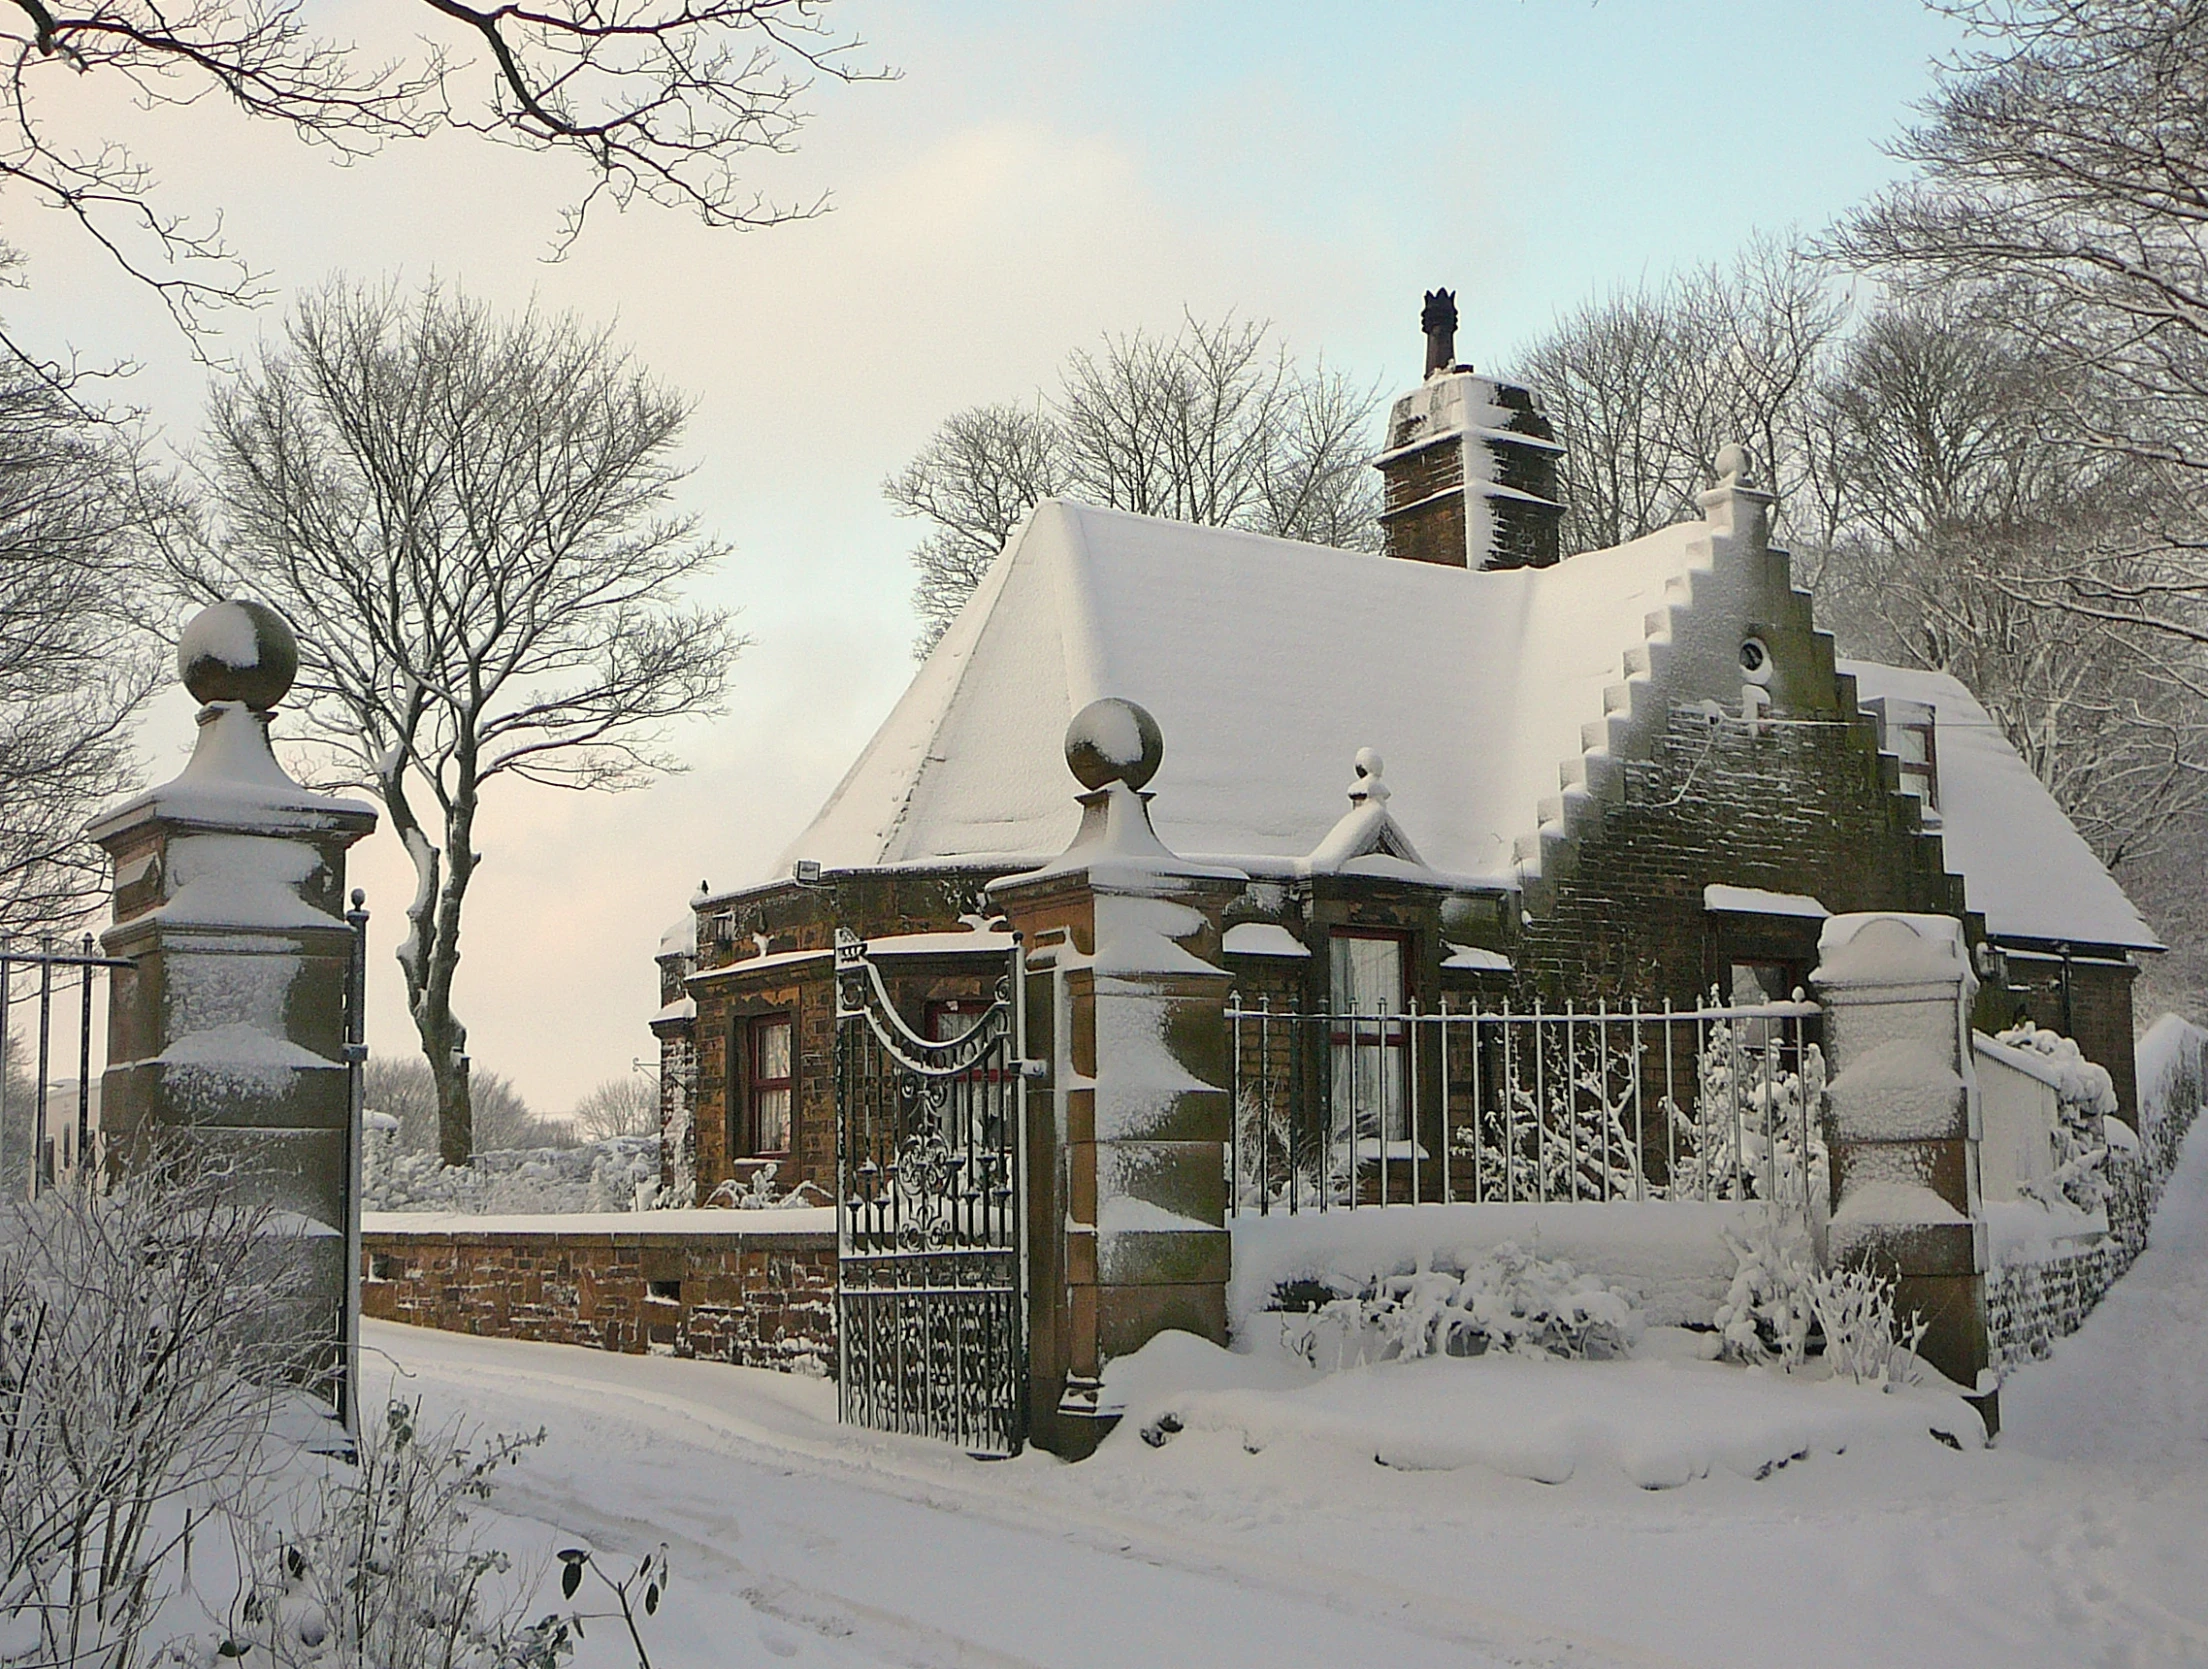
(2082, 1538)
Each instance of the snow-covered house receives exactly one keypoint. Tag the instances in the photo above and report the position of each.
(1636, 773)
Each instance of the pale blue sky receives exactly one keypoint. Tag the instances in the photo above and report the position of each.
(1040, 173)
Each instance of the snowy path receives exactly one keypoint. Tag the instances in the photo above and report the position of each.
(2082, 1539)
(832, 1547)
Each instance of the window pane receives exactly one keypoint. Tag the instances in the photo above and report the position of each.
(1369, 1098)
(773, 1110)
(772, 1057)
(1367, 975)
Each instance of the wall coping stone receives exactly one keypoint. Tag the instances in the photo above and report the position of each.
(807, 1223)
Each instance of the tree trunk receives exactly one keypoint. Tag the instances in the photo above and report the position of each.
(430, 953)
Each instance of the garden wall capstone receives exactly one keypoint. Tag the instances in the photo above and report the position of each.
(756, 1289)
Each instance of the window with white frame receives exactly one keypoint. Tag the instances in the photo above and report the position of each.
(1371, 1104)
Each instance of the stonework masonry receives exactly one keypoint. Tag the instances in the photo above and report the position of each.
(758, 1300)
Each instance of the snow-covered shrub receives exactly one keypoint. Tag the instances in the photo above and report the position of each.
(1770, 1307)
(375, 1564)
(1751, 1132)
(1558, 1133)
(760, 1192)
(1508, 1300)
(143, 1353)
(1864, 1340)
(2086, 1096)
(1274, 1168)
(619, 1174)
(2172, 1063)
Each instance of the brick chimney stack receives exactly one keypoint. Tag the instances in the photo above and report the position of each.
(1469, 476)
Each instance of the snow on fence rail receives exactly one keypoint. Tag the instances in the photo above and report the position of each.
(1336, 1111)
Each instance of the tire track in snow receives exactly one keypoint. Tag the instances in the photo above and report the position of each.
(876, 1465)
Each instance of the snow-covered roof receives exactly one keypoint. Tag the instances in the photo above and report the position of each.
(1268, 665)
(2023, 863)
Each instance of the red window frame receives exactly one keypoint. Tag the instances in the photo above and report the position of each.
(755, 1085)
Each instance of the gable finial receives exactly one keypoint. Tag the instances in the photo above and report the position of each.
(1368, 788)
(1439, 321)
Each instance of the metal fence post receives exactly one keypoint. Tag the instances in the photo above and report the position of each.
(356, 1057)
(41, 1159)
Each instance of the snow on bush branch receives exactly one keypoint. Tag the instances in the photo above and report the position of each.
(1508, 1300)
(2086, 1097)
(1780, 1301)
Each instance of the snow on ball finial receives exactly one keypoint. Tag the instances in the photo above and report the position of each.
(1736, 465)
(238, 651)
(1113, 741)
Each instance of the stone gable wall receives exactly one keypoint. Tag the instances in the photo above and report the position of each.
(1799, 809)
(759, 1301)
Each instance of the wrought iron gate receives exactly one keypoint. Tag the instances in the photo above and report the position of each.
(931, 1303)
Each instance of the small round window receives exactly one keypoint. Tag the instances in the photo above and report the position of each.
(1755, 660)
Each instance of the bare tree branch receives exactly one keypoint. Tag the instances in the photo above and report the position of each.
(657, 99)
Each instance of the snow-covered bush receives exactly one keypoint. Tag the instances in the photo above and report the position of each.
(760, 1192)
(1770, 1307)
(1780, 1300)
(143, 1355)
(1558, 1133)
(2173, 1070)
(1864, 1340)
(1508, 1300)
(1272, 1167)
(375, 1564)
(680, 1141)
(1751, 1132)
(2086, 1097)
(619, 1174)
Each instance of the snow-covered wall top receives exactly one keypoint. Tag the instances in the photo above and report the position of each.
(2024, 864)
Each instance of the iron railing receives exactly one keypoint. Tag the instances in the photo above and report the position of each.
(1337, 1111)
(53, 1152)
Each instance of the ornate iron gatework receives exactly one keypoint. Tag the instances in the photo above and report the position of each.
(931, 1303)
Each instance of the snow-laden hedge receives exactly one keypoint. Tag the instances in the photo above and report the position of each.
(619, 1174)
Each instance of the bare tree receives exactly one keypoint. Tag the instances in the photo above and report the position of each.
(74, 667)
(2061, 162)
(1646, 385)
(1215, 424)
(401, 1086)
(984, 469)
(623, 1106)
(656, 99)
(470, 522)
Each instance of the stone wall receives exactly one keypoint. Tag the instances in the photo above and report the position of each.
(756, 1299)
(2031, 1305)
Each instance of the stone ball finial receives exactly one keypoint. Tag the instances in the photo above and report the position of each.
(1736, 465)
(1113, 741)
(238, 651)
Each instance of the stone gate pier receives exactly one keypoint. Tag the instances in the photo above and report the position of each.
(226, 1035)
